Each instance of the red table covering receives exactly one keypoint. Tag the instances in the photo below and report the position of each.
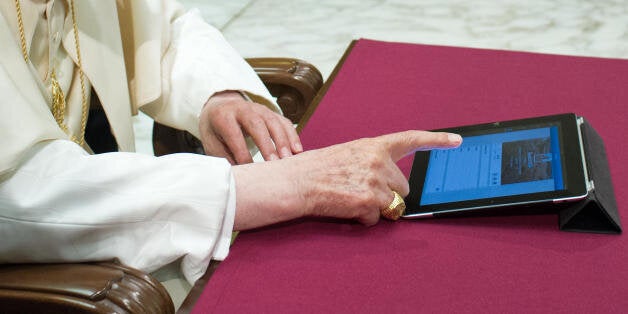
(488, 264)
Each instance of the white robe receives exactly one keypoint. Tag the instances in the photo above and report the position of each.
(58, 203)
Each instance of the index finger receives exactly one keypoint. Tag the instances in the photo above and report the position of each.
(403, 143)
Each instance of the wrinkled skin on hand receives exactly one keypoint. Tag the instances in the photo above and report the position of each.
(351, 180)
(227, 118)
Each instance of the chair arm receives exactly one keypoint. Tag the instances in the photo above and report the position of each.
(293, 82)
(105, 287)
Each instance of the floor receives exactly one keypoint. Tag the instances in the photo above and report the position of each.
(319, 30)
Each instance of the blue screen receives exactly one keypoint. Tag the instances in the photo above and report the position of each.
(494, 165)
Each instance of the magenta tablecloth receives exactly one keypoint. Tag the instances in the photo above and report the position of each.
(491, 264)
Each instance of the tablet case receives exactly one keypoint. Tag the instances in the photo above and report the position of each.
(598, 211)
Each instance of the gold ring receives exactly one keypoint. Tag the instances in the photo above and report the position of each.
(396, 208)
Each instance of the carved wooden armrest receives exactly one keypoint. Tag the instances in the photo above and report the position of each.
(105, 287)
(293, 82)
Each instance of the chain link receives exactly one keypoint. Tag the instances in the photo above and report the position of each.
(58, 98)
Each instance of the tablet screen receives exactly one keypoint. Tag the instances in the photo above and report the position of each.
(497, 164)
(500, 164)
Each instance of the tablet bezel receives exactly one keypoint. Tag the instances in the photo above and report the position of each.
(572, 156)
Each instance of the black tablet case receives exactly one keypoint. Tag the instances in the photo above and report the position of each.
(598, 212)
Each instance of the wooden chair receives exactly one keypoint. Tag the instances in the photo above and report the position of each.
(110, 287)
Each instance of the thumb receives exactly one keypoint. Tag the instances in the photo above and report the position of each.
(403, 143)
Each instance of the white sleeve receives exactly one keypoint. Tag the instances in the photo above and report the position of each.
(63, 204)
(198, 63)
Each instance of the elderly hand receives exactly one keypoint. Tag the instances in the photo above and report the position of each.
(227, 118)
(353, 180)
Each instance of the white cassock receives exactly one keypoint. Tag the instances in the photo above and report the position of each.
(60, 203)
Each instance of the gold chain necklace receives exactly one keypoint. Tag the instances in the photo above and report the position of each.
(58, 98)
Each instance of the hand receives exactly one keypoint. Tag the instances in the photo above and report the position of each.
(227, 118)
(353, 180)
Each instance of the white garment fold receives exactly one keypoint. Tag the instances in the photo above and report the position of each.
(64, 204)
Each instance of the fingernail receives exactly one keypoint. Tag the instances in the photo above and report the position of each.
(273, 157)
(455, 138)
(297, 147)
(285, 152)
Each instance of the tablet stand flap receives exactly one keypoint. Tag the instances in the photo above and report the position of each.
(598, 212)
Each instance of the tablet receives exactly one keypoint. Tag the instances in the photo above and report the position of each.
(501, 165)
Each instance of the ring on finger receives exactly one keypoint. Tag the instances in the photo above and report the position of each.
(395, 209)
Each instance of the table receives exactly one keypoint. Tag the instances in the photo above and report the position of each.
(475, 264)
